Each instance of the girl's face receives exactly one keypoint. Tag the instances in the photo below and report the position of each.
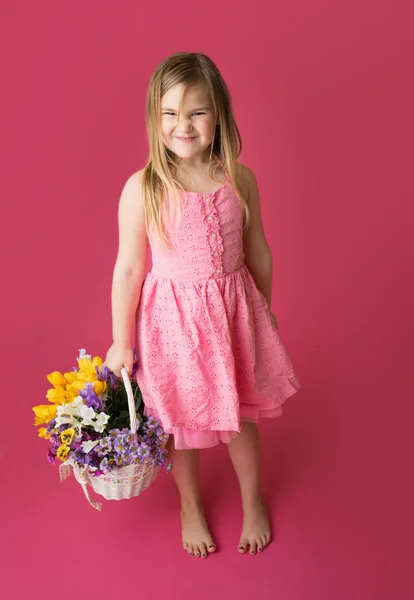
(189, 134)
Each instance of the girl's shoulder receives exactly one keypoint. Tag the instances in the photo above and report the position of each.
(245, 178)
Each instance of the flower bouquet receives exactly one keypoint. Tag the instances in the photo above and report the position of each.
(95, 425)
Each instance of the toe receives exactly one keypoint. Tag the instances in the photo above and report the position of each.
(197, 552)
(211, 548)
(268, 537)
(203, 550)
(253, 547)
(243, 546)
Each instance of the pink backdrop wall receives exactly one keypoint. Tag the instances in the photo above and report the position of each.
(323, 95)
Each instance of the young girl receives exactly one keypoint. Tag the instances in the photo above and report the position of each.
(210, 359)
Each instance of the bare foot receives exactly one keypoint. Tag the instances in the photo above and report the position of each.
(256, 528)
(197, 540)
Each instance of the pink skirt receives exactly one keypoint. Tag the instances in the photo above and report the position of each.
(209, 357)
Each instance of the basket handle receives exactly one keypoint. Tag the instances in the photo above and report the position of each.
(131, 401)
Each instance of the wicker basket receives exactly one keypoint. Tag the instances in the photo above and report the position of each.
(123, 482)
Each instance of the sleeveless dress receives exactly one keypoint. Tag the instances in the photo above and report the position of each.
(209, 355)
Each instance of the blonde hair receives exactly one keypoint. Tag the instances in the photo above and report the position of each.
(158, 179)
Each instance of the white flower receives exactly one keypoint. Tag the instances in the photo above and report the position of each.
(87, 413)
(63, 421)
(66, 414)
(66, 409)
(78, 402)
(101, 420)
(87, 446)
(82, 354)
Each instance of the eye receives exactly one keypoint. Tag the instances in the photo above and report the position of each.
(172, 113)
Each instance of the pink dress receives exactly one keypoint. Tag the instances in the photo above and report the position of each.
(209, 356)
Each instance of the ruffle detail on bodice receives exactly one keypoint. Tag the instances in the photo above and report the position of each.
(214, 240)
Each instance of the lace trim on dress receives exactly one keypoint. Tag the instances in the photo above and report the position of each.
(214, 239)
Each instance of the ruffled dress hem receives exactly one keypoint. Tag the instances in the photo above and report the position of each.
(186, 438)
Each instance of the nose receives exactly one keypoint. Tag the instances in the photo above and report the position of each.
(184, 124)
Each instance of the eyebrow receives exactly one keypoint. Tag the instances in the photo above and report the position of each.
(194, 109)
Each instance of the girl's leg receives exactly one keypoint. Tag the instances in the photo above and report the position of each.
(197, 539)
(244, 452)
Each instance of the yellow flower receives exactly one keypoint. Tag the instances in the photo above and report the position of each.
(72, 392)
(80, 377)
(99, 387)
(58, 395)
(42, 433)
(62, 451)
(44, 413)
(56, 379)
(86, 365)
(77, 385)
(71, 376)
(66, 436)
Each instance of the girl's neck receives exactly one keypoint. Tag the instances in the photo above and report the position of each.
(196, 179)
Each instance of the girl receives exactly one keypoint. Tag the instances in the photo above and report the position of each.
(210, 359)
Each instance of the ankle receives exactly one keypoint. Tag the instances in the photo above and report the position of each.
(252, 500)
(191, 504)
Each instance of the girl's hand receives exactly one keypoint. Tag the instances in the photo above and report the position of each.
(274, 320)
(120, 354)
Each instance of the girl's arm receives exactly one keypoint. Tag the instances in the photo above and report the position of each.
(258, 257)
(129, 271)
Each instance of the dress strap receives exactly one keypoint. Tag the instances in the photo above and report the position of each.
(224, 168)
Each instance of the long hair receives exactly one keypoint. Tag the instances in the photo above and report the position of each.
(158, 179)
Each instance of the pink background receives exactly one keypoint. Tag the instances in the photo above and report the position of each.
(323, 95)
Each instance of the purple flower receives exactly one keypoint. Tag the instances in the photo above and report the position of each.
(106, 375)
(51, 425)
(127, 457)
(133, 448)
(94, 460)
(121, 445)
(64, 426)
(51, 457)
(91, 399)
(119, 440)
(80, 457)
(104, 465)
(151, 423)
(105, 445)
(54, 441)
(144, 451)
(100, 451)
